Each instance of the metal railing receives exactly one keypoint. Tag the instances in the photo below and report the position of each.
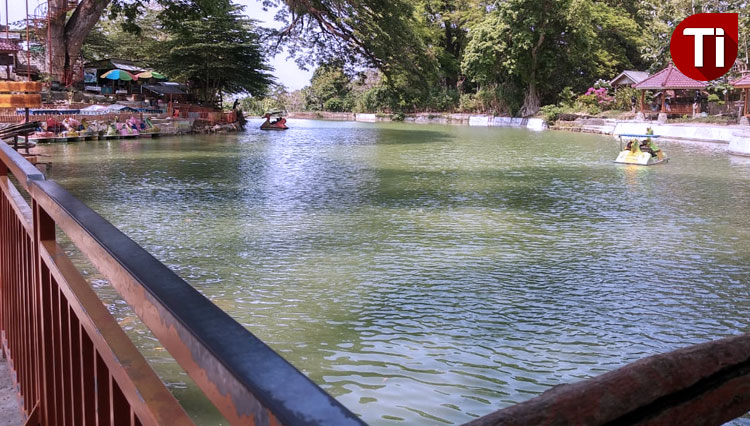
(73, 363)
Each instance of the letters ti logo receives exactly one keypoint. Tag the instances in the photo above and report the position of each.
(704, 46)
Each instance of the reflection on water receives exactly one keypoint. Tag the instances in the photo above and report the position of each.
(431, 274)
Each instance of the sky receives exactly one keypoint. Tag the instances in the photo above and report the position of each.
(286, 70)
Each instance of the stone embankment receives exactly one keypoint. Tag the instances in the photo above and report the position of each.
(323, 115)
(698, 132)
(460, 119)
(736, 136)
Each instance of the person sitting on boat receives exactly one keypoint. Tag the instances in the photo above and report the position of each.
(649, 146)
(633, 146)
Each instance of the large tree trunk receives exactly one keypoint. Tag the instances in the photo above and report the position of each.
(531, 102)
(66, 35)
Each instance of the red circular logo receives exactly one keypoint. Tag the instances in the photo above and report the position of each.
(704, 46)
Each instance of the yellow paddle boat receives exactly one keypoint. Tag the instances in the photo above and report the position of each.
(640, 150)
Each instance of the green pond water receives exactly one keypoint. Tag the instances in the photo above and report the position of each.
(431, 274)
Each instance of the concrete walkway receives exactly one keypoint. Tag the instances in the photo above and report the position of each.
(10, 414)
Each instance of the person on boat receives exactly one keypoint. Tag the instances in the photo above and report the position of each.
(633, 146)
(648, 144)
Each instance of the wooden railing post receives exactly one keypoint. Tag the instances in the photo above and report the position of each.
(44, 230)
(3, 220)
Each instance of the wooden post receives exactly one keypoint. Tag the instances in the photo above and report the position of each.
(744, 109)
(663, 97)
(643, 101)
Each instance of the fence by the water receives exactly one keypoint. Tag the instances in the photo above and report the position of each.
(74, 365)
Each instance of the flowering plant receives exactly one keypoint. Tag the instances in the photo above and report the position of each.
(601, 95)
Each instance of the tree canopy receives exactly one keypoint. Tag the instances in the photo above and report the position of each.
(502, 56)
(216, 51)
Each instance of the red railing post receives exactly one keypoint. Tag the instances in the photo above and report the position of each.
(44, 230)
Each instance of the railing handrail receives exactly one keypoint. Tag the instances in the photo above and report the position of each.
(19, 167)
(240, 374)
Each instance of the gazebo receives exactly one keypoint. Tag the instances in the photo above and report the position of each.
(670, 78)
(744, 84)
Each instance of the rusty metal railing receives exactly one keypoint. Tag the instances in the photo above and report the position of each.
(73, 363)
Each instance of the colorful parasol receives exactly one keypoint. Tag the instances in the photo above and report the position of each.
(151, 74)
(117, 74)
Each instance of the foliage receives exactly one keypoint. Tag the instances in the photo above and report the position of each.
(624, 98)
(385, 35)
(108, 39)
(329, 89)
(278, 98)
(567, 96)
(550, 113)
(218, 52)
(539, 45)
(600, 97)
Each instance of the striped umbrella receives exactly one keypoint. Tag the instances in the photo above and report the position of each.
(117, 74)
(151, 74)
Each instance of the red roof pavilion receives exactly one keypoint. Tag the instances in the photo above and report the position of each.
(670, 78)
(744, 84)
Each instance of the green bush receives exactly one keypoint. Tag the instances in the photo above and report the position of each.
(467, 103)
(551, 112)
(335, 105)
(623, 98)
(567, 96)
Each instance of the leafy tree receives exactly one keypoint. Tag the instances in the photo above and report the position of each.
(67, 32)
(446, 27)
(109, 39)
(329, 89)
(380, 34)
(217, 52)
(529, 49)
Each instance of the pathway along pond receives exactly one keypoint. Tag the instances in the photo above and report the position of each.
(432, 274)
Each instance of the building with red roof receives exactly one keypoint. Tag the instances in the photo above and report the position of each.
(671, 79)
(743, 83)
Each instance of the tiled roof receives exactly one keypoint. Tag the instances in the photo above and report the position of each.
(743, 82)
(670, 78)
(8, 45)
(633, 76)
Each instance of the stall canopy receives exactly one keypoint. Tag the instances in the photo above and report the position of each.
(111, 64)
(670, 78)
(164, 89)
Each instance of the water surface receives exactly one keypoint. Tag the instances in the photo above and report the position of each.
(432, 274)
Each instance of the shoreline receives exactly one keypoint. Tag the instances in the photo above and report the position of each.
(736, 136)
